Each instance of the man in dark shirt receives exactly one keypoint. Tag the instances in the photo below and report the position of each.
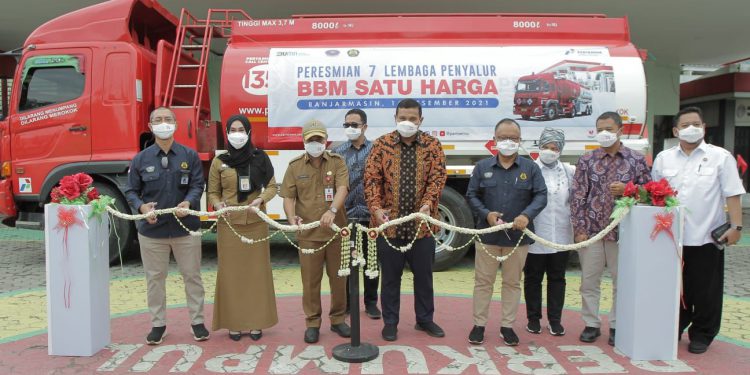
(168, 174)
(510, 187)
(355, 151)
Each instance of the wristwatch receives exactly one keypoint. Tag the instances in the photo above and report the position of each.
(737, 227)
(334, 210)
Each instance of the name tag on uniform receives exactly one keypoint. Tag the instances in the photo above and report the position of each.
(329, 194)
(244, 184)
(487, 174)
(184, 179)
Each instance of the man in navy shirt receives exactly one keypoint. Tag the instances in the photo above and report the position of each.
(165, 175)
(355, 151)
(504, 187)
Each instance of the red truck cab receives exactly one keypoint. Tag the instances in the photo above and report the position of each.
(80, 103)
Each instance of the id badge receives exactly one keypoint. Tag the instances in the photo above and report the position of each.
(185, 179)
(329, 194)
(244, 184)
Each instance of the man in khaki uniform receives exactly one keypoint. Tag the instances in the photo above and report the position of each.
(314, 188)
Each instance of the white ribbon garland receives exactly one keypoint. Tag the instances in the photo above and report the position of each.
(381, 228)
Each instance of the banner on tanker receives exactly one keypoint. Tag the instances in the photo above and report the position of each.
(464, 91)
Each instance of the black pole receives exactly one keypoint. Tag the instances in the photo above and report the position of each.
(354, 295)
(356, 351)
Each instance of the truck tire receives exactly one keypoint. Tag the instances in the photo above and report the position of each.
(551, 112)
(573, 110)
(125, 228)
(453, 210)
(525, 117)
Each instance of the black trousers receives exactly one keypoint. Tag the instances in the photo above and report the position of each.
(703, 288)
(392, 261)
(533, 273)
(371, 285)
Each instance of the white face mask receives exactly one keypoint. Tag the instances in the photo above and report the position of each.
(238, 139)
(606, 138)
(548, 156)
(352, 133)
(691, 134)
(406, 128)
(507, 147)
(315, 149)
(163, 131)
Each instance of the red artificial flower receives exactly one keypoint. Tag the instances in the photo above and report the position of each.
(658, 201)
(659, 189)
(70, 188)
(93, 194)
(631, 190)
(83, 180)
(55, 195)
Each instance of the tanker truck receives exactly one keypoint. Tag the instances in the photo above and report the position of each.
(547, 97)
(84, 83)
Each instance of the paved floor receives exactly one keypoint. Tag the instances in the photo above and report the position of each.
(23, 319)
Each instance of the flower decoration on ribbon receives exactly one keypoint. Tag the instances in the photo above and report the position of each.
(344, 232)
(66, 218)
(372, 234)
(653, 193)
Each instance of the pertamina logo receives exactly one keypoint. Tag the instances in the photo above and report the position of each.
(24, 185)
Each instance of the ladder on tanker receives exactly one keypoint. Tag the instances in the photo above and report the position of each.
(189, 66)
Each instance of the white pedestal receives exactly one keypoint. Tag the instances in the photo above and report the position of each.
(648, 287)
(77, 283)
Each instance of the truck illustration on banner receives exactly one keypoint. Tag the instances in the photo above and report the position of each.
(564, 89)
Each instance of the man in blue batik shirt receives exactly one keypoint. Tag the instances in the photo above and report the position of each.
(355, 151)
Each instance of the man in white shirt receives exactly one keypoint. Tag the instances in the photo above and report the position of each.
(553, 223)
(706, 179)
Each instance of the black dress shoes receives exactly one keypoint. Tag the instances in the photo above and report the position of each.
(256, 335)
(342, 329)
(373, 312)
(312, 334)
(697, 347)
(590, 334)
(390, 332)
(431, 328)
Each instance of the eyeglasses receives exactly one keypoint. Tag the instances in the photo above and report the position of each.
(164, 162)
(508, 139)
(352, 125)
(166, 119)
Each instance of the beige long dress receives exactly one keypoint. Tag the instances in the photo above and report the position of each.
(245, 297)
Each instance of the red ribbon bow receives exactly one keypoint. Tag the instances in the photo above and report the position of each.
(663, 224)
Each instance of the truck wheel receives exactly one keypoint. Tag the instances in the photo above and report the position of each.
(125, 229)
(453, 210)
(573, 110)
(525, 117)
(551, 112)
(588, 111)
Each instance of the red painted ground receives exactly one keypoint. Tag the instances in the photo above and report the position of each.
(282, 351)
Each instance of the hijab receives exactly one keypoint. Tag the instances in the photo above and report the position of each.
(247, 160)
